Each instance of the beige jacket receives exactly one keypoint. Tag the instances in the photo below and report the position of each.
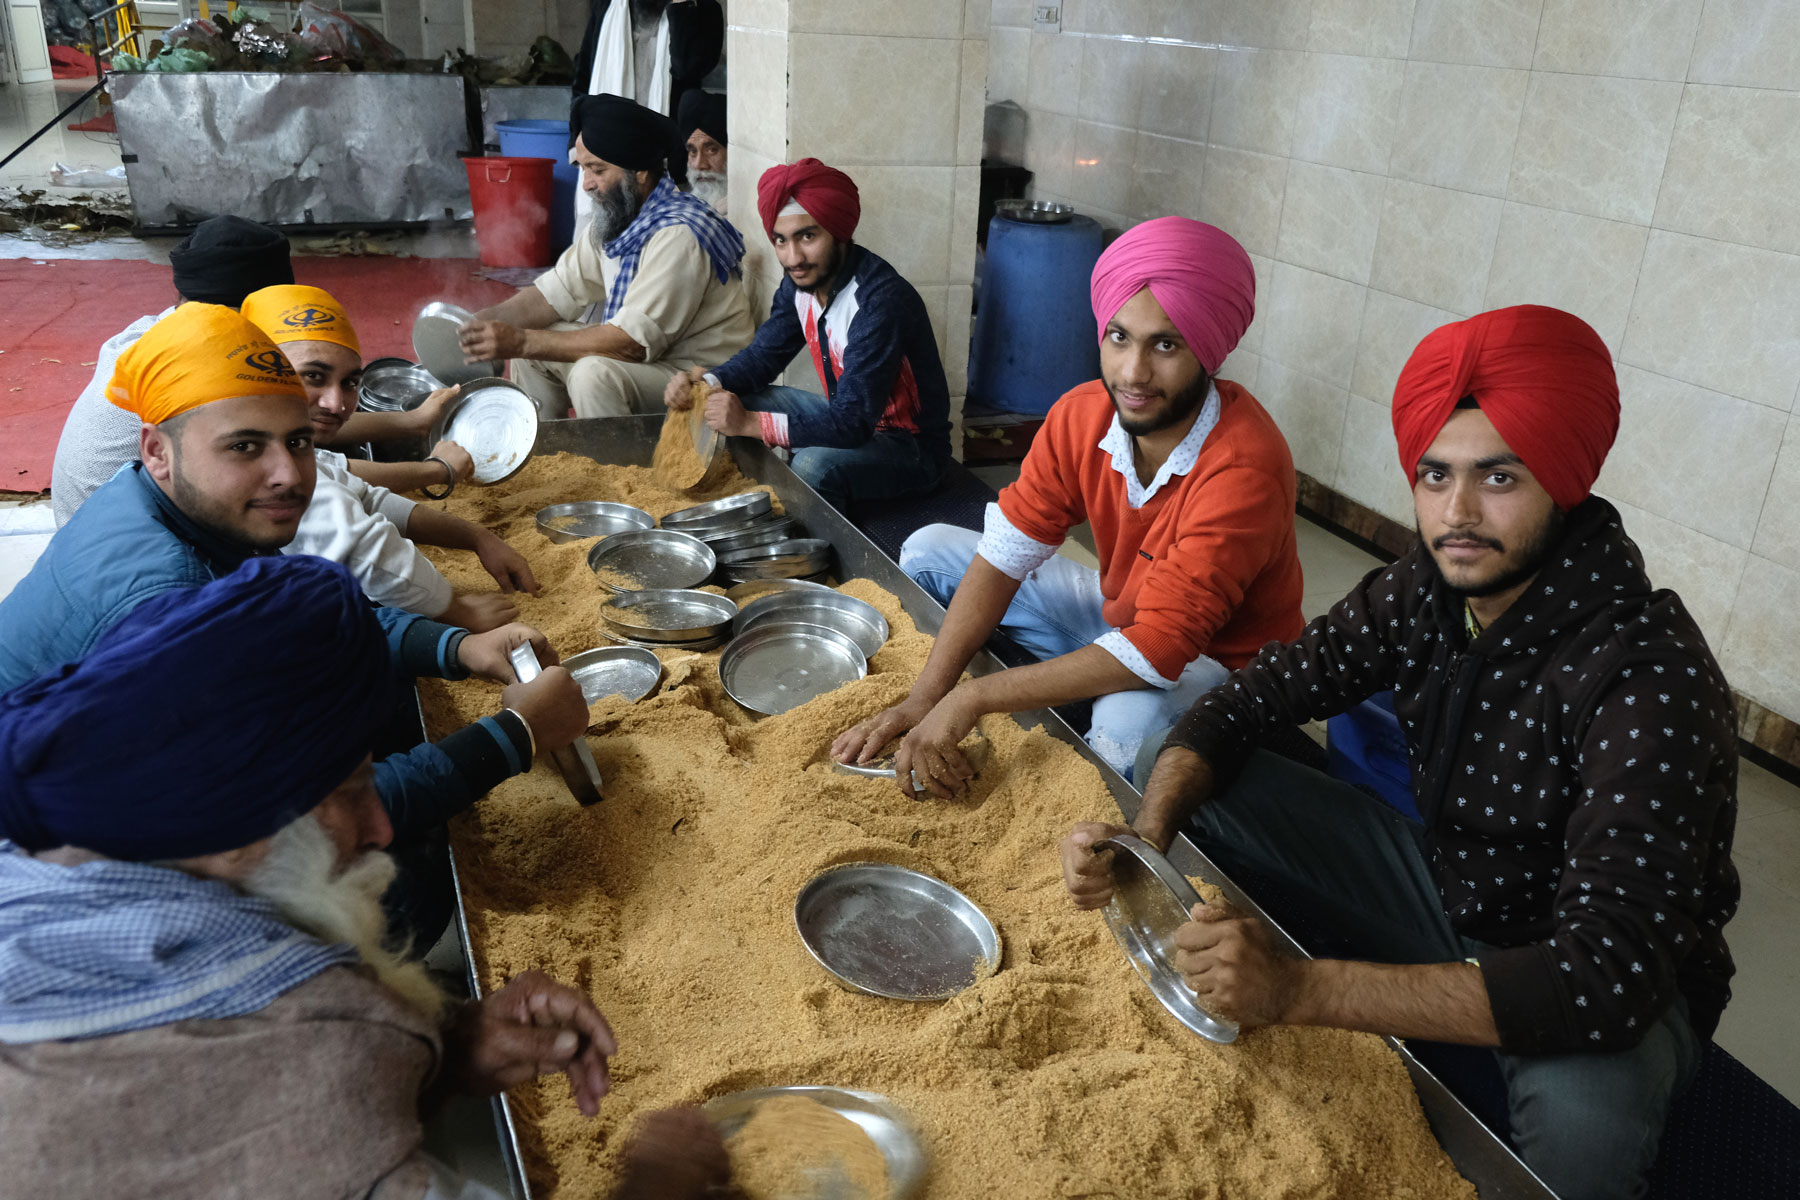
(315, 1096)
(675, 308)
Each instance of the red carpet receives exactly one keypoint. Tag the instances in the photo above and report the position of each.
(57, 314)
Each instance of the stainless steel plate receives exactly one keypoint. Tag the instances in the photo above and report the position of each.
(434, 339)
(1150, 902)
(590, 519)
(1034, 212)
(496, 423)
(651, 558)
(615, 671)
(698, 647)
(668, 615)
(756, 589)
(760, 532)
(716, 514)
(894, 932)
(872, 1112)
(773, 668)
(793, 558)
(858, 619)
(394, 385)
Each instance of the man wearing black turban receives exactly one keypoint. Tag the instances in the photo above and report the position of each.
(701, 120)
(653, 287)
(191, 940)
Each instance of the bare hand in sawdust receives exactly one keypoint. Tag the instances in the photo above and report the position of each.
(533, 1026)
(862, 743)
(674, 1154)
(1227, 958)
(1087, 872)
(506, 565)
(931, 754)
(485, 654)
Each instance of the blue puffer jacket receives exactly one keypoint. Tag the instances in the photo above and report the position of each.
(130, 542)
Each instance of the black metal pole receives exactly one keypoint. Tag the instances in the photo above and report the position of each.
(54, 121)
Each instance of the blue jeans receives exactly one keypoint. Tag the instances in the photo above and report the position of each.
(1588, 1124)
(886, 467)
(1056, 612)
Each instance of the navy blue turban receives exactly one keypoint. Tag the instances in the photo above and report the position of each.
(205, 720)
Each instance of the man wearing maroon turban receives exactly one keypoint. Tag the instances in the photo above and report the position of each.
(881, 427)
(1189, 489)
(1563, 896)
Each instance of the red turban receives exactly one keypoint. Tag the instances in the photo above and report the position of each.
(826, 193)
(1541, 375)
(1197, 272)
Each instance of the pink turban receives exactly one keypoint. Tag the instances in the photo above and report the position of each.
(1541, 375)
(1197, 272)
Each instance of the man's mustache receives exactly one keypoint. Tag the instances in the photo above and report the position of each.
(1438, 543)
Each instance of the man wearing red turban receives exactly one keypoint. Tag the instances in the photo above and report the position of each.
(1189, 489)
(881, 427)
(1574, 765)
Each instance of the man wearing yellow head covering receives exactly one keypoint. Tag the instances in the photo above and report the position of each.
(225, 474)
(354, 519)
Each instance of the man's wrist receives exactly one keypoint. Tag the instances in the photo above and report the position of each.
(1313, 982)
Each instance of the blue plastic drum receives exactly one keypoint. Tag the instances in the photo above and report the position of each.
(547, 139)
(1034, 332)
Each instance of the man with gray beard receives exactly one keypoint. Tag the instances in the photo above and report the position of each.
(652, 289)
(702, 124)
(195, 998)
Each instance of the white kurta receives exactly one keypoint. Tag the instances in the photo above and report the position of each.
(353, 522)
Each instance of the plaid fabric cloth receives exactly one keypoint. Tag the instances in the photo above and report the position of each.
(668, 205)
(107, 947)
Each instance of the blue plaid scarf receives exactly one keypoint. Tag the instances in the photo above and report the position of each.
(665, 206)
(107, 947)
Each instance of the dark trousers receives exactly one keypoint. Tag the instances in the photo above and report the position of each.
(1351, 874)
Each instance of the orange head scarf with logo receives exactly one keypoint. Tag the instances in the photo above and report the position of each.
(197, 354)
(1541, 375)
(293, 312)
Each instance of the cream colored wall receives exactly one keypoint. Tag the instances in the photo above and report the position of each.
(1392, 165)
(891, 94)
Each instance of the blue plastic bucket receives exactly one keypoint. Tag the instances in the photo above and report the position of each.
(1034, 333)
(547, 139)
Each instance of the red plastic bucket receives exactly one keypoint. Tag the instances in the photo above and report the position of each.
(511, 197)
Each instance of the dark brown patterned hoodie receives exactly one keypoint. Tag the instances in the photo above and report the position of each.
(1575, 765)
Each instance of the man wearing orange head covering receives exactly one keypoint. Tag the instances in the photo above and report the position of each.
(879, 426)
(356, 520)
(226, 474)
(1574, 764)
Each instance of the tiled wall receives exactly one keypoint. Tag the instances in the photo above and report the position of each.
(1395, 164)
(892, 94)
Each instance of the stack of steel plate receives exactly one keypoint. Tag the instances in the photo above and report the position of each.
(667, 619)
(792, 558)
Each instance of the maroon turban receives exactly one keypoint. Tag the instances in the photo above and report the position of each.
(826, 193)
(1541, 375)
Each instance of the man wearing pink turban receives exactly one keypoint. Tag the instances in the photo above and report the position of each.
(1561, 893)
(1189, 489)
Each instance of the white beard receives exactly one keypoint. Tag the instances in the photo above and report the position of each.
(300, 877)
(711, 187)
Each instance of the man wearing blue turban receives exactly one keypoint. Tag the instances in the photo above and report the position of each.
(195, 999)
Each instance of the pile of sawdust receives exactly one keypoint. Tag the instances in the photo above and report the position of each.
(676, 463)
(671, 903)
(794, 1148)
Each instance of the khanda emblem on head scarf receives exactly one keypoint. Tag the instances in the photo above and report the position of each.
(309, 318)
(270, 362)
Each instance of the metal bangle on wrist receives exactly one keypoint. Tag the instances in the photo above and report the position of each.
(449, 484)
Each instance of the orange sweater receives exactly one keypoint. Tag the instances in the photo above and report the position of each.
(1209, 564)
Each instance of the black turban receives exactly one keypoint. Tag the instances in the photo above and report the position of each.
(704, 111)
(227, 258)
(626, 134)
(205, 720)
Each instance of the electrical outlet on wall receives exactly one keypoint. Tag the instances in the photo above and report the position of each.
(1047, 18)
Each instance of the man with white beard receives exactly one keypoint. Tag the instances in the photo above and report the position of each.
(653, 287)
(702, 124)
(195, 998)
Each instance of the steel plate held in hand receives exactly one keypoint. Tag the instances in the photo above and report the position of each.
(871, 1112)
(496, 423)
(435, 340)
(575, 761)
(894, 932)
(1151, 900)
